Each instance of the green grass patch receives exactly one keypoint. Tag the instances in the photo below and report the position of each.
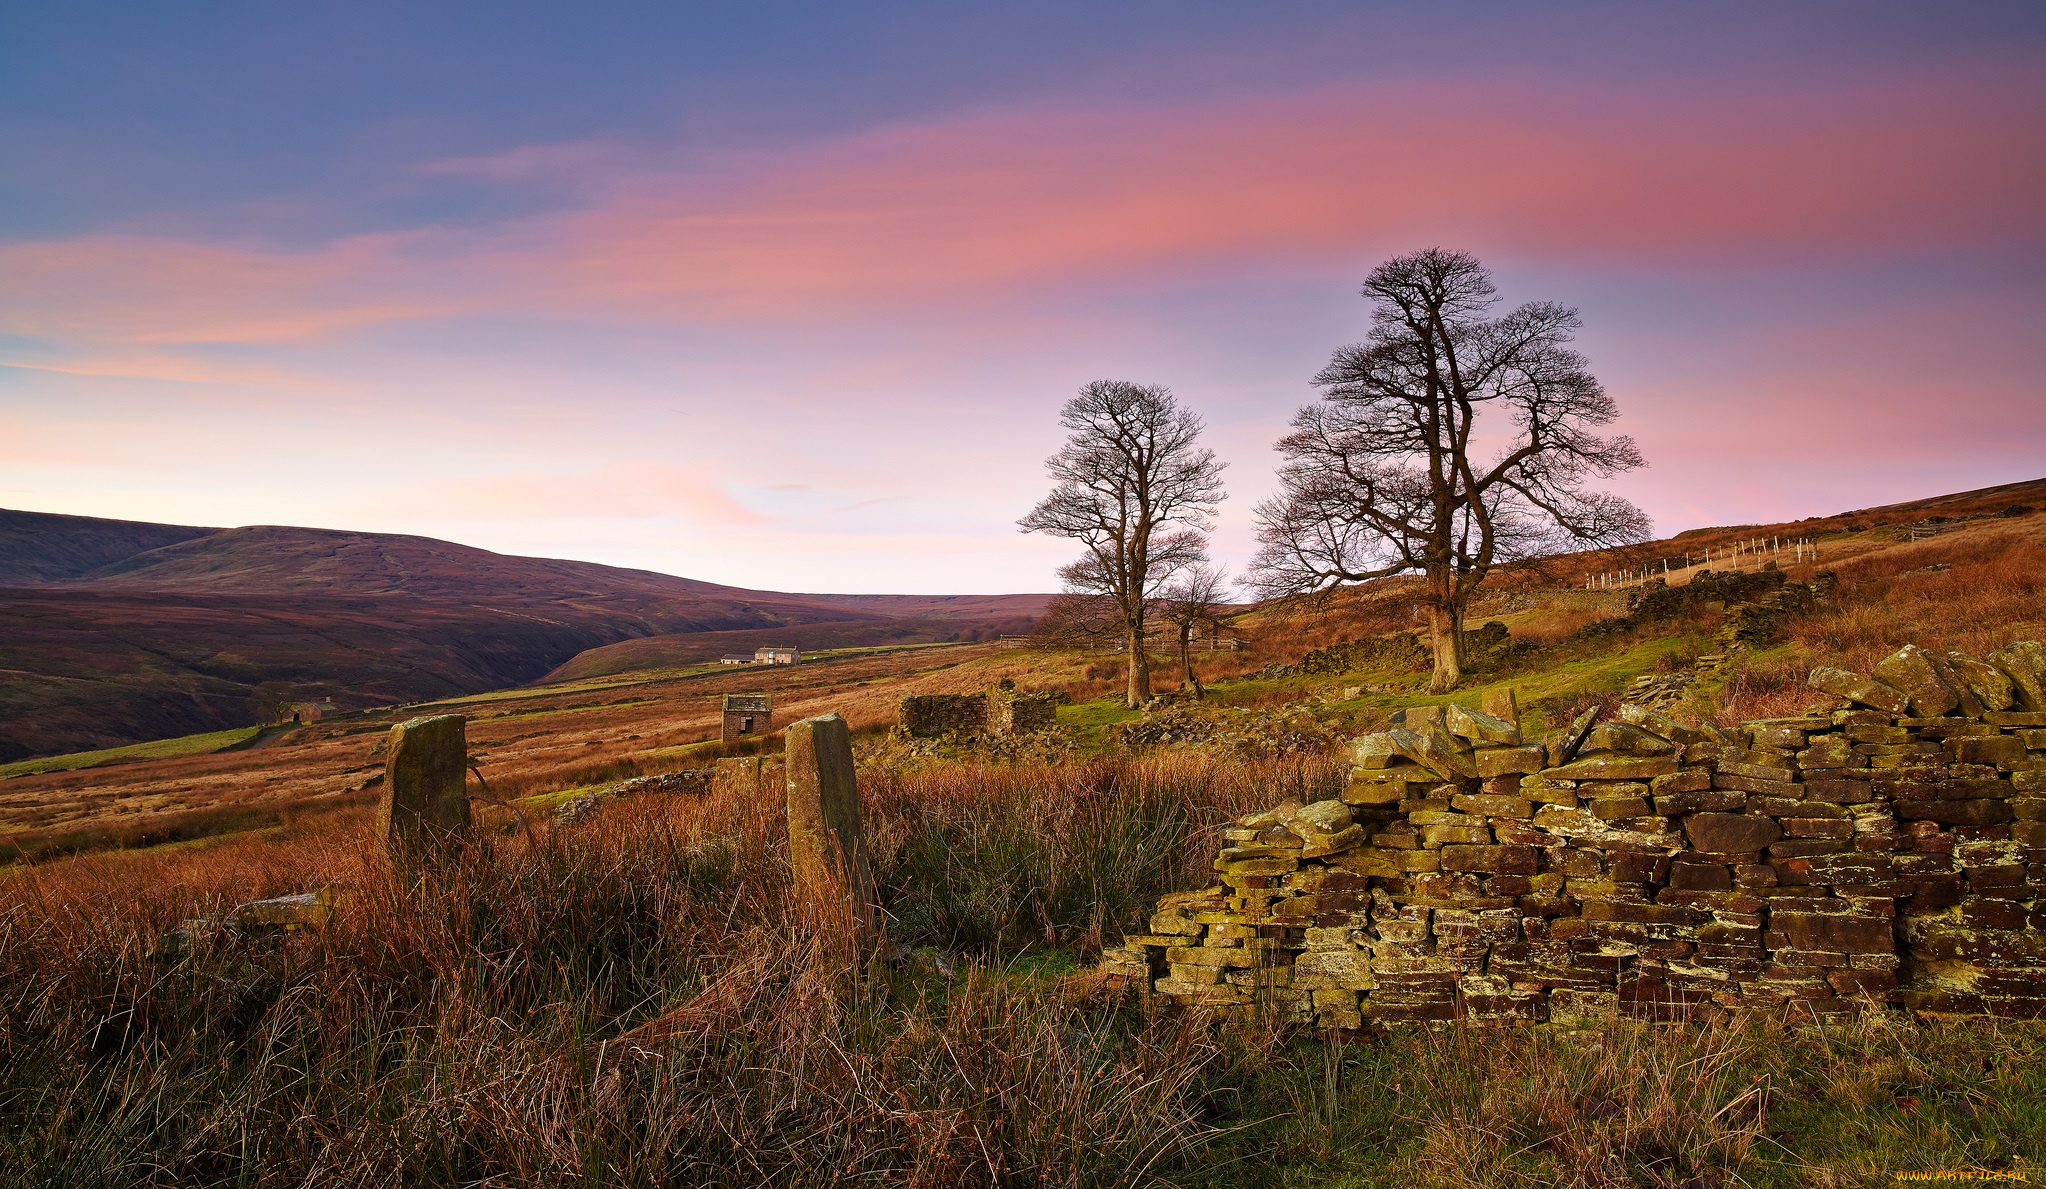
(157, 749)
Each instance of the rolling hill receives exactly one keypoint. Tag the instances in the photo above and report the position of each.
(118, 631)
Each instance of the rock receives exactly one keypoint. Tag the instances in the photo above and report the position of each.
(1910, 670)
(1823, 933)
(424, 802)
(1986, 682)
(1326, 817)
(1479, 727)
(1418, 718)
(1856, 688)
(1372, 751)
(1625, 739)
(827, 846)
(1956, 813)
(2025, 664)
(1612, 767)
(1503, 761)
(1325, 828)
(1502, 705)
(1730, 833)
(304, 910)
(1573, 737)
(1657, 723)
(1500, 860)
(1433, 751)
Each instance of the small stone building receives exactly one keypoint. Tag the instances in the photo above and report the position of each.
(736, 658)
(305, 712)
(777, 656)
(747, 715)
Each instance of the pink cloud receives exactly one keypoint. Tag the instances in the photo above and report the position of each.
(928, 216)
(626, 491)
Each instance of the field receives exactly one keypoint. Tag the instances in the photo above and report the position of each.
(633, 999)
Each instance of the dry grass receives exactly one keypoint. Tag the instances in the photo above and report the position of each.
(1974, 590)
(634, 1001)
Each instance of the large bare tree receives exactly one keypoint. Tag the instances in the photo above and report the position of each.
(1445, 443)
(1134, 486)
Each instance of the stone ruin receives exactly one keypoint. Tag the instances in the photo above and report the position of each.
(998, 710)
(1886, 849)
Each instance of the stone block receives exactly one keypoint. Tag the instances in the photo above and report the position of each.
(1619, 738)
(1701, 877)
(1510, 860)
(1834, 932)
(1657, 723)
(827, 844)
(1480, 727)
(1856, 688)
(2025, 664)
(1690, 781)
(1730, 834)
(1434, 749)
(1817, 827)
(1502, 705)
(1487, 805)
(1991, 749)
(1910, 670)
(1614, 767)
(1613, 809)
(1956, 813)
(424, 802)
(1372, 751)
(1985, 682)
(1505, 761)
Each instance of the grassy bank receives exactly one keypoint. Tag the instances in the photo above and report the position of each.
(634, 1001)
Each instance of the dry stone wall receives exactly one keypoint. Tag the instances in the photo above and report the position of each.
(1000, 710)
(1887, 849)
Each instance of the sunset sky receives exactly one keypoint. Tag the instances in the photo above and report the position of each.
(787, 296)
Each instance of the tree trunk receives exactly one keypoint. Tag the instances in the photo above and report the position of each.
(1139, 665)
(1186, 658)
(1444, 636)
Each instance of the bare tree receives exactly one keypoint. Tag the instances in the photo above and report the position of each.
(1192, 601)
(1381, 476)
(1076, 620)
(1135, 487)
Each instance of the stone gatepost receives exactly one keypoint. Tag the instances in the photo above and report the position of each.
(741, 775)
(424, 800)
(827, 852)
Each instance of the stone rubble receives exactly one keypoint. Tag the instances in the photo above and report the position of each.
(1863, 854)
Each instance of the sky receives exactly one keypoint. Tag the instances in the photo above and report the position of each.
(788, 296)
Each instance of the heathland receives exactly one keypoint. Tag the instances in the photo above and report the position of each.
(118, 631)
(633, 999)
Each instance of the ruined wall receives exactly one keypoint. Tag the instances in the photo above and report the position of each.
(930, 715)
(1013, 713)
(1887, 849)
(1000, 710)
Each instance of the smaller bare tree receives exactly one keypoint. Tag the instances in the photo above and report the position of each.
(1191, 602)
(1134, 486)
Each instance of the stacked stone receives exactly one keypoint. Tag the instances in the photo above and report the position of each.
(1000, 710)
(931, 715)
(1013, 713)
(1648, 868)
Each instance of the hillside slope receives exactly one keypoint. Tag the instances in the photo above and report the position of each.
(118, 631)
(40, 547)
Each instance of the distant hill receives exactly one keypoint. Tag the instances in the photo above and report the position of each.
(37, 547)
(117, 631)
